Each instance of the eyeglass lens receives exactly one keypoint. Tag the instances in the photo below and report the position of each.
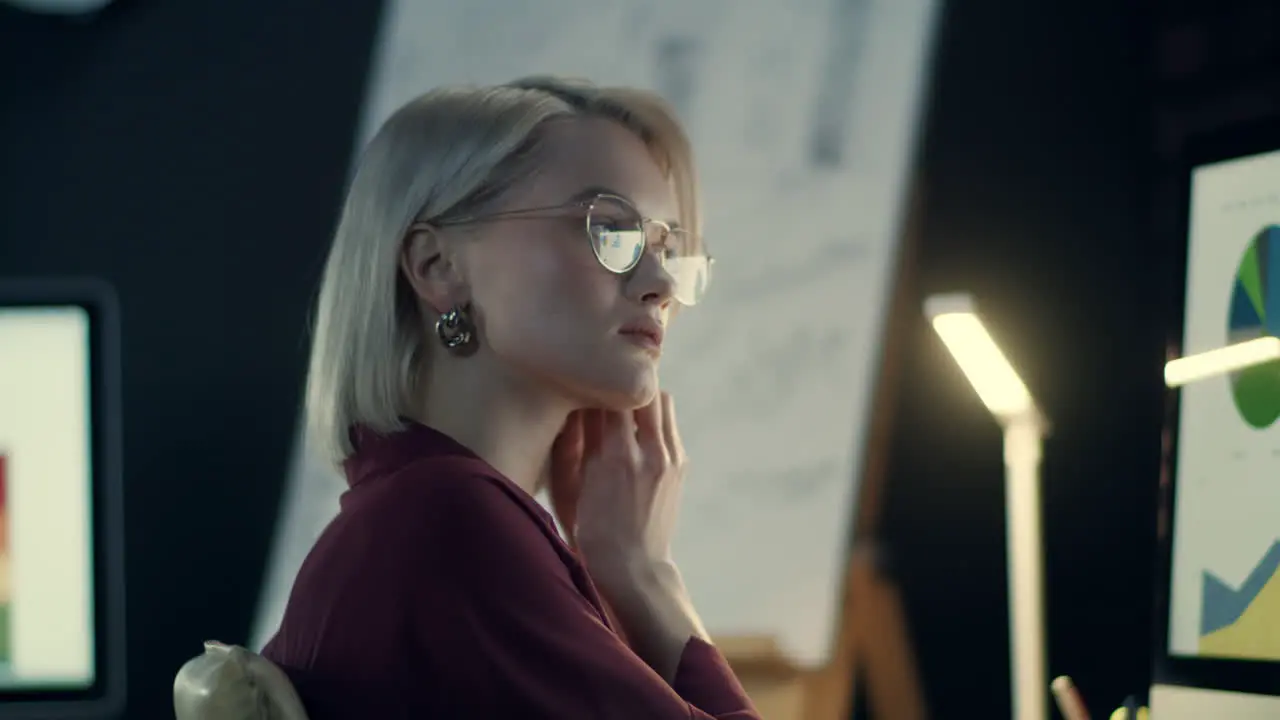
(619, 236)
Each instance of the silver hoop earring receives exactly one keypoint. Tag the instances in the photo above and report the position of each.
(455, 329)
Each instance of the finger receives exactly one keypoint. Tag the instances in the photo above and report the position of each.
(620, 434)
(567, 453)
(610, 434)
(567, 450)
(568, 445)
(649, 434)
(592, 431)
(564, 503)
(670, 431)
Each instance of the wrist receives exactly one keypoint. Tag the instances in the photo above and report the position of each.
(652, 603)
(632, 574)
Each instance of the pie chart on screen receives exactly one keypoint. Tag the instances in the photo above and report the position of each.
(1254, 313)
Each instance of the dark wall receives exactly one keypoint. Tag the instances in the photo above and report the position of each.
(193, 154)
(1035, 184)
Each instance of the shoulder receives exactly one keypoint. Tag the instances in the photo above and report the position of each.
(446, 502)
(428, 526)
(443, 530)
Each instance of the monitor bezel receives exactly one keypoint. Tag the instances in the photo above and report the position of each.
(105, 698)
(1235, 675)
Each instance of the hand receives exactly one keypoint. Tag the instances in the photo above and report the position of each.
(615, 485)
(564, 474)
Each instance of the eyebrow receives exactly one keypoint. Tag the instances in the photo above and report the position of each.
(591, 191)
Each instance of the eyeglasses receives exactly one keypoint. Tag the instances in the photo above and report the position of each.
(619, 236)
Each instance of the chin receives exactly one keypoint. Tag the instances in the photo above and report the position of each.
(624, 391)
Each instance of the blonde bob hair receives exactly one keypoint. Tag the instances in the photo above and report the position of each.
(443, 154)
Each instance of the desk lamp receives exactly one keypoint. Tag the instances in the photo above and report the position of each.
(997, 384)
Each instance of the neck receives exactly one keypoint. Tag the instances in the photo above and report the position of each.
(504, 419)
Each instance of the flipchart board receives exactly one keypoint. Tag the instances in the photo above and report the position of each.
(804, 119)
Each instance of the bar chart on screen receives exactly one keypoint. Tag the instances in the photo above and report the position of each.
(1242, 621)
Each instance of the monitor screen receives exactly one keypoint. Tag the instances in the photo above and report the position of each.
(46, 543)
(1225, 579)
(1217, 648)
(61, 643)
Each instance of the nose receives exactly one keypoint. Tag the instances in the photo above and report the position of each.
(649, 283)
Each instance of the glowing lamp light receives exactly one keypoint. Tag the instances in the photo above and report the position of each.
(1221, 361)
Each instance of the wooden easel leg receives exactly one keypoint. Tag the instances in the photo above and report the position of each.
(874, 654)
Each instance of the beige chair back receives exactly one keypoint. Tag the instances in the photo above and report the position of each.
(229, 682)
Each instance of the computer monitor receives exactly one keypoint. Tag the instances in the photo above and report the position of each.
(61, 561)
(1218, 602)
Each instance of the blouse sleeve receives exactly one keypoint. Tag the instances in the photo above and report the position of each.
(498, 612)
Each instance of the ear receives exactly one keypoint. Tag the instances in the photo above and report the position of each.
(429, 268)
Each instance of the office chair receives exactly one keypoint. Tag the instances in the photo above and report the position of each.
(228, 682)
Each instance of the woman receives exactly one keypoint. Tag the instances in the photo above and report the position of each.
(490, 322)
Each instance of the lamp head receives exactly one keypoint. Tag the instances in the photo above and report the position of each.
(956, 321)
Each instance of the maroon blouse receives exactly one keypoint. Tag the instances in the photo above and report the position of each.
(443, 590)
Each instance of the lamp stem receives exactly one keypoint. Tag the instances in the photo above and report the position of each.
(1023, 440)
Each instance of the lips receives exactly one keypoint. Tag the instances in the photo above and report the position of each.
(650, 330)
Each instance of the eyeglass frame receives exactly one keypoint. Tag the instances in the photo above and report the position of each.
(589, 204)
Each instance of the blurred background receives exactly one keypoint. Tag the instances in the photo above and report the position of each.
(193, 155)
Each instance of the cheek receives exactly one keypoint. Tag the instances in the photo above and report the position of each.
(537, 296)
(552, 312)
